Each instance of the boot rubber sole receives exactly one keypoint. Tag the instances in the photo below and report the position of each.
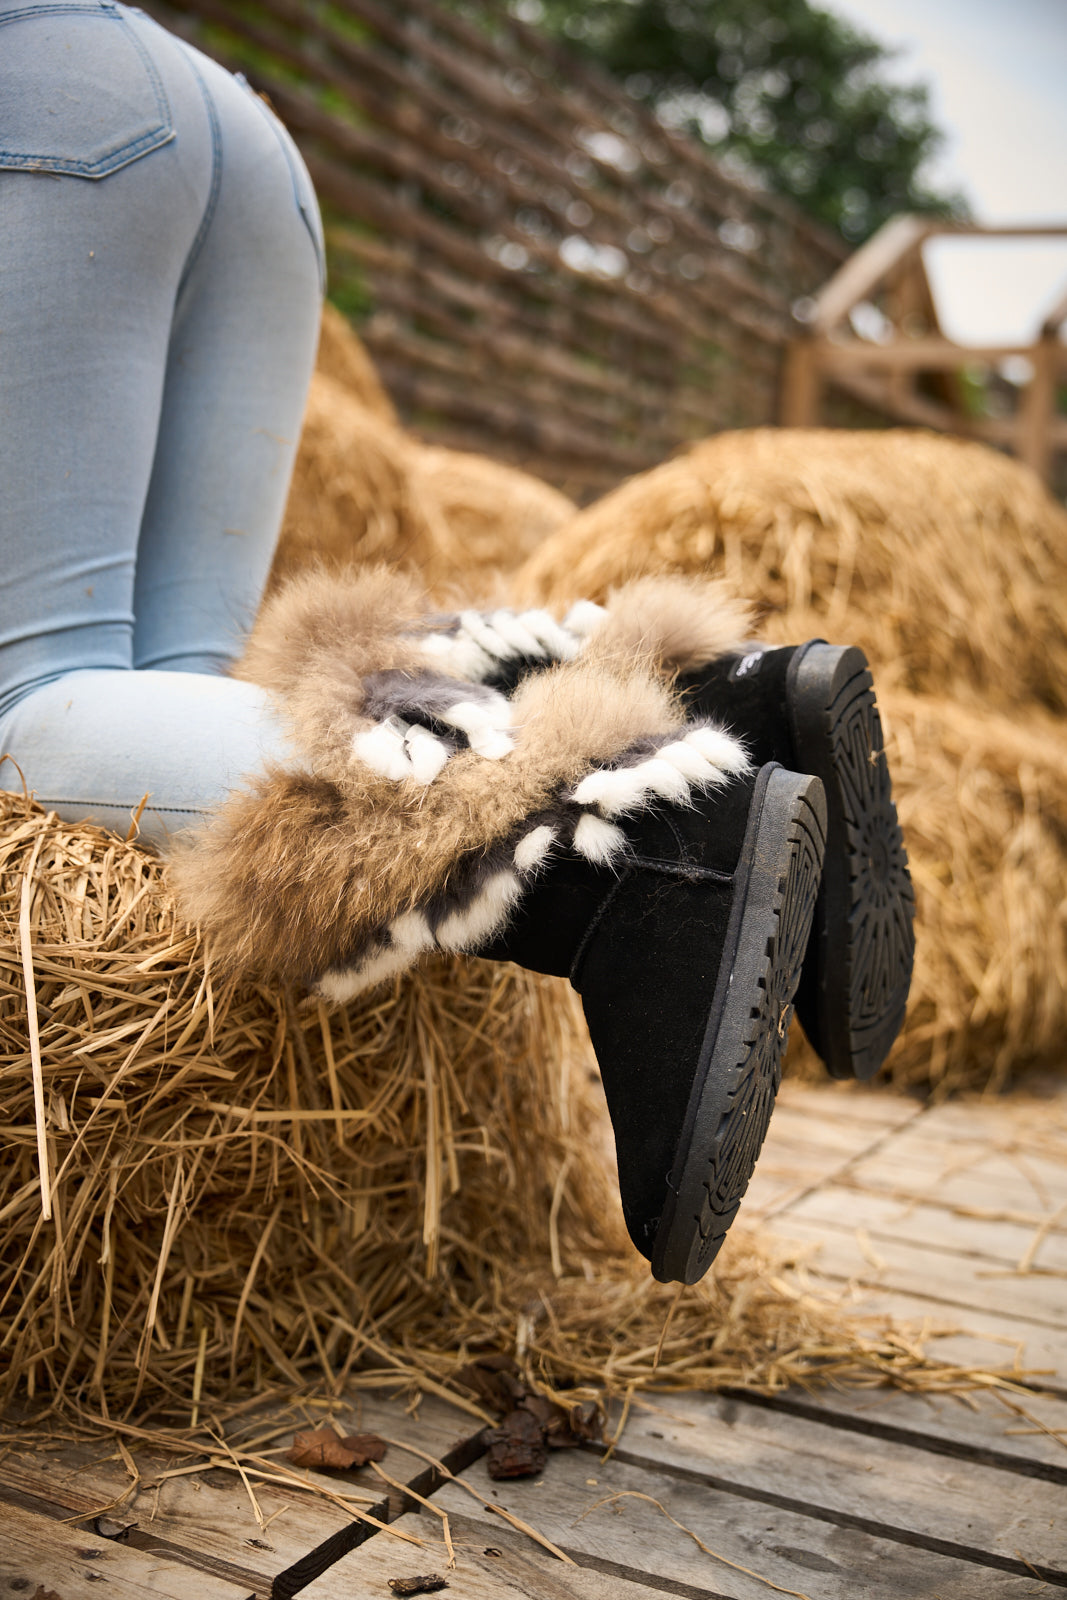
(777, 882)
(855, 987)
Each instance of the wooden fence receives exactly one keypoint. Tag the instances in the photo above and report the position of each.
(540, 270)
(909, 372)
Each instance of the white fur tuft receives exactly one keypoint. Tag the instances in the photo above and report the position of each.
(585, 617)
(663, 778)
(598, 840)
(691, 764)
(426, 753)
(459, 655)
(477, 628)
(558, 643)
(340, 984)
(383, 749)
(470, 927)
(534, 847)
(628, 788)
(411, 934)
(482, 725)
(720, 748)
(512, 630)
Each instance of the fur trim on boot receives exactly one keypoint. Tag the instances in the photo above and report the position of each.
(430, 801)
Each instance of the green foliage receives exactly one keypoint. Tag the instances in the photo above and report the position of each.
(776, 88)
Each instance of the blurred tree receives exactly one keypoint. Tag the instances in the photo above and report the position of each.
(776, 88)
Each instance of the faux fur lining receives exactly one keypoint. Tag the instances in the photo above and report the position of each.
(413, 769)
(296, 879)
(480, 895)
(367, 679)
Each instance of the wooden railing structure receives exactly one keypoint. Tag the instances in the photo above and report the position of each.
(908, 372)
(539, 268)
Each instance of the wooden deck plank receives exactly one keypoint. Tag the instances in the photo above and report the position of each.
(996, 1241)
(849, 1103)
(962, 1336)
(818, 1468)
(1025, 1432)
(824, 1558)
(492, 1563)
(41, 1556)
(817, 1134)
(938, 1275)
(1009, 1166)
(206, 1518)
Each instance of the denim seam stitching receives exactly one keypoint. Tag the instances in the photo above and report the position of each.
(121, 155)
(283, 136)
(216, 178)
(112, 805)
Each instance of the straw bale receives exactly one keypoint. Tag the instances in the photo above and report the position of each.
(945, 560)
(353, 498)
(343, 359)
(364, 490)
(497, 515)
(983, 803)
(249, 1192)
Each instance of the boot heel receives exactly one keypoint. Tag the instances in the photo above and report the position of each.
(776, 884)
(855, 989)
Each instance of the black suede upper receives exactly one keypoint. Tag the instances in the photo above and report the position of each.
(747, 693)
(642, 943)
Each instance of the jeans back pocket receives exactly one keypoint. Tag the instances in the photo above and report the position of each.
(79, 94)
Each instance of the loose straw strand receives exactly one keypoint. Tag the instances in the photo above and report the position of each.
(26, 945)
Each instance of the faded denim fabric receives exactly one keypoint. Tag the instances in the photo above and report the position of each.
(161, 272)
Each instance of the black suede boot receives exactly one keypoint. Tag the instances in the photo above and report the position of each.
(686, 953)
(812, 708)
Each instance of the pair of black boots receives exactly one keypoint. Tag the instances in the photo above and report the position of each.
(787, 887)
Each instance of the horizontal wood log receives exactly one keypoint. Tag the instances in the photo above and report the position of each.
(913, 355)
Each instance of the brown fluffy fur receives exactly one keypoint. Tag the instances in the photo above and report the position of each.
(316, 641)
(292, 871)
(678, 623)
(319, 638)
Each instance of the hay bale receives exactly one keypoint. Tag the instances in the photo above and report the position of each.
(983, 803)
(343, 359)
(948, 563)
(353, 499)
(946, 560)
(248, 1193)
(364, 491)
(497, 516)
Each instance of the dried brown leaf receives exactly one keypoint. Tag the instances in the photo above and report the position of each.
(365, 1447)
(322, 1448)
(517, 1449)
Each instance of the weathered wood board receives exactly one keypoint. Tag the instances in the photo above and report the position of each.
(925, 1213)
(616, 1517)
(206, 1521)
(39, 1556)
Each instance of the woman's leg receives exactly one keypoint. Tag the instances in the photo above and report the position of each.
(242, 348)
(137, 431)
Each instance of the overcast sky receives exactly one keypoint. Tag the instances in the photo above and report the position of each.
(997, 72)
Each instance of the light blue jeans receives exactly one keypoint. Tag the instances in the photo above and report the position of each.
(161, 272)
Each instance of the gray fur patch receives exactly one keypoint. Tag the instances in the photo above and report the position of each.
(426, 695)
